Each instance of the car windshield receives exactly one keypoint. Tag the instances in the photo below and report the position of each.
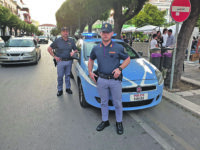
(20, 43)
(42, 37)
(89, 45)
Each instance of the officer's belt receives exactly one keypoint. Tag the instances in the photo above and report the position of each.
(105, 76)
(65, 59)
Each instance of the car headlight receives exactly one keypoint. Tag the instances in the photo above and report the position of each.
(2, 53)
(29, 53)
(159, 77)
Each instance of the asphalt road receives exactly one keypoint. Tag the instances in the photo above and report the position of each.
(32, 117)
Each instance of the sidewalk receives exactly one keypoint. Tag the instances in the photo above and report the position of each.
(189, 100)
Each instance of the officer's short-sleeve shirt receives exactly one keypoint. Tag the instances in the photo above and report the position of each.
(63, 48)
(108, 58)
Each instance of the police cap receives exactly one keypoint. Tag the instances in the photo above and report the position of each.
(64, 28)
(106, 27)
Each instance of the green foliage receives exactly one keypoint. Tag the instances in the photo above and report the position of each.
(55, 31)
(5, 15)
(198, 22)
(12, 21)
(150, 14)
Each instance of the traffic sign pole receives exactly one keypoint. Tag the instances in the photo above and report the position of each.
(174, 56)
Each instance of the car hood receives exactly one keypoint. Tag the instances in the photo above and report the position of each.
(138, 69)
(18, 49)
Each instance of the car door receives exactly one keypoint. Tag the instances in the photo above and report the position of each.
(76, 62)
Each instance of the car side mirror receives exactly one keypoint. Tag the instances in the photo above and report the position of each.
(140, 53)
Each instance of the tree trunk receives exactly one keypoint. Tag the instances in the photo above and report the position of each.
(82, 27)
(10, 30)
(183, 40)
(15, 32)
(90, 28)
(4, 30)
(118, 17)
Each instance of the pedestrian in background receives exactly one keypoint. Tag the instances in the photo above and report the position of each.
(165, 36)
(108, 55)
(154, 43)
(159, 39)
(170, 39)
(63, 47)
(125, 39)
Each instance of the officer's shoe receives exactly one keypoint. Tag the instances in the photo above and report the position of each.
(59, 93)
(102, 125)
(119, 128)
(69, 91)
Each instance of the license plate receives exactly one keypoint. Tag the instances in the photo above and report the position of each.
(138, 97)
(14, 58)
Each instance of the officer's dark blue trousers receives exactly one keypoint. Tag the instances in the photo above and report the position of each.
(106, 86)
(64, 68)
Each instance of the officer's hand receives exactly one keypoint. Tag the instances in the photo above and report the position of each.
(57, 58)
(72, 53)
(92, 75)
(116, 73)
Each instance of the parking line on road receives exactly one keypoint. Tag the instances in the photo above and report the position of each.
(152, 132)
(169, 132)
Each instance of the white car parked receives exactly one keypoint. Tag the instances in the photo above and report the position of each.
(20, 51)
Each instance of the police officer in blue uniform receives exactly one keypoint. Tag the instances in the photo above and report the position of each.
(108, 55)
(64, 49)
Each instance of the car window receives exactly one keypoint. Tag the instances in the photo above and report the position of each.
(88, 46)
(20, 43)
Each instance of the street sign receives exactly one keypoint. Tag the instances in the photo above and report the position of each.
(180, 10)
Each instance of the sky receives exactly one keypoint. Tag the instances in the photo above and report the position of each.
(43, 11)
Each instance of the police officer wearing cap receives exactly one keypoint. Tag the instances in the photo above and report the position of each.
(108, 55)
(64, 48)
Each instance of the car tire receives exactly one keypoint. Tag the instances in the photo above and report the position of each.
(36, 62)
(82, 100)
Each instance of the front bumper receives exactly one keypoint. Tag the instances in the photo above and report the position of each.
(4, 60)
(154, 98)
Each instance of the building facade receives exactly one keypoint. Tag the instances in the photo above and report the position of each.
(46, 28)
(10, 4)
(23, 11)
(163, 5)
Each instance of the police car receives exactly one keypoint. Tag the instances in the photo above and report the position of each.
(142, 84)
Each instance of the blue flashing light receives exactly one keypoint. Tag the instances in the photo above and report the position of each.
(115, 34)
(89, 35)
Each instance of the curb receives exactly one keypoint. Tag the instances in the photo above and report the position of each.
(192, 81)
(193, 108)
(187, 105)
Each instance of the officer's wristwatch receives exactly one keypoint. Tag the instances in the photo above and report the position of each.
(120, 68)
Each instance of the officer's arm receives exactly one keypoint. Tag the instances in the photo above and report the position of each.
(50, 50)
(90, 65)
(125, 63)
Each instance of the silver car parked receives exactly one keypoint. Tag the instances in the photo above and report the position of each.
(20, 51)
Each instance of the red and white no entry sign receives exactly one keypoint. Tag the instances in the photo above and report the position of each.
(180, 10)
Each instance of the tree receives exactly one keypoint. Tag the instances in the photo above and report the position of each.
(12, 22)
(89, 11)
(5, 15)
(150, 14)
(55, 31)
(183, 40)
(131, 9)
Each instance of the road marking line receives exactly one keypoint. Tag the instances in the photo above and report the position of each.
(151, 132)
(170, 133)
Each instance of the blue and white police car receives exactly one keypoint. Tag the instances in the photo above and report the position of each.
(142, 84)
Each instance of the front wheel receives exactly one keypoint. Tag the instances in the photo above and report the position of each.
(82, 100)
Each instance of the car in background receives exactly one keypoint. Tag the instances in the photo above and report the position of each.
(142, 84)
(43, 39)
(20, 50)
